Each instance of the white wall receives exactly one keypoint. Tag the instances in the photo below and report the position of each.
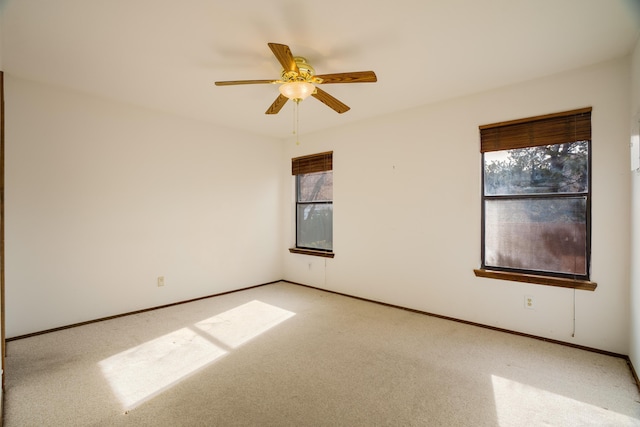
(634, 352)
(407, 211)
(102, 198)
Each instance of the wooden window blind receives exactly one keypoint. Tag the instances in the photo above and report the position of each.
(313, 163)
(557, 128)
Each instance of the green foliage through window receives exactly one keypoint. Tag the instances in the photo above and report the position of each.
(560, 168)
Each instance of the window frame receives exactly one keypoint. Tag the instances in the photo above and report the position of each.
(524, 136)
(320, 162)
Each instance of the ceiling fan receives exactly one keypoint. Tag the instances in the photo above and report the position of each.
(298, 81)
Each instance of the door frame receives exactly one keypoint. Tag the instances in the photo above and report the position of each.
(2, 328)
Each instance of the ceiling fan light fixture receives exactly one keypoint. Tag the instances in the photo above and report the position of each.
(297, 90)
(298, 81)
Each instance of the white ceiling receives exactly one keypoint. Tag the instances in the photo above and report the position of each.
(166, 54)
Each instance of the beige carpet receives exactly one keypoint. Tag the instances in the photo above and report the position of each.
(287, 355)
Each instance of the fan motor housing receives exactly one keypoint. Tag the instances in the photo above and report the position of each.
(306, 71)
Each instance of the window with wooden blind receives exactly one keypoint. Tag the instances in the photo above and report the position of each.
(314, 204)
(536, 199)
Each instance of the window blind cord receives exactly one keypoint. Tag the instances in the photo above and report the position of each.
(573, 334)
(325, 273)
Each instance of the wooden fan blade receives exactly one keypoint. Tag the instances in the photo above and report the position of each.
(283, 53)
(277, 105)
(354, 77)
(330, 101)
(245, 82)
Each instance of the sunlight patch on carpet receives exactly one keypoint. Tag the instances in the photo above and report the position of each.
(522, 404)
(239, 325)
(139, 373)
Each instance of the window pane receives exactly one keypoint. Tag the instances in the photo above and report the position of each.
(315, 187)
(541, 234)
(560, 168)
(315, 226)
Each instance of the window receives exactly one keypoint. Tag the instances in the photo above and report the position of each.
(536, 199)
(314, 204)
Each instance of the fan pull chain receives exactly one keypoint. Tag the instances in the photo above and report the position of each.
(296, 124)
(295, 113)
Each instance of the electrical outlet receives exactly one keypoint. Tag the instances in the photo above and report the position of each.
(160, 281)
(529, 302)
